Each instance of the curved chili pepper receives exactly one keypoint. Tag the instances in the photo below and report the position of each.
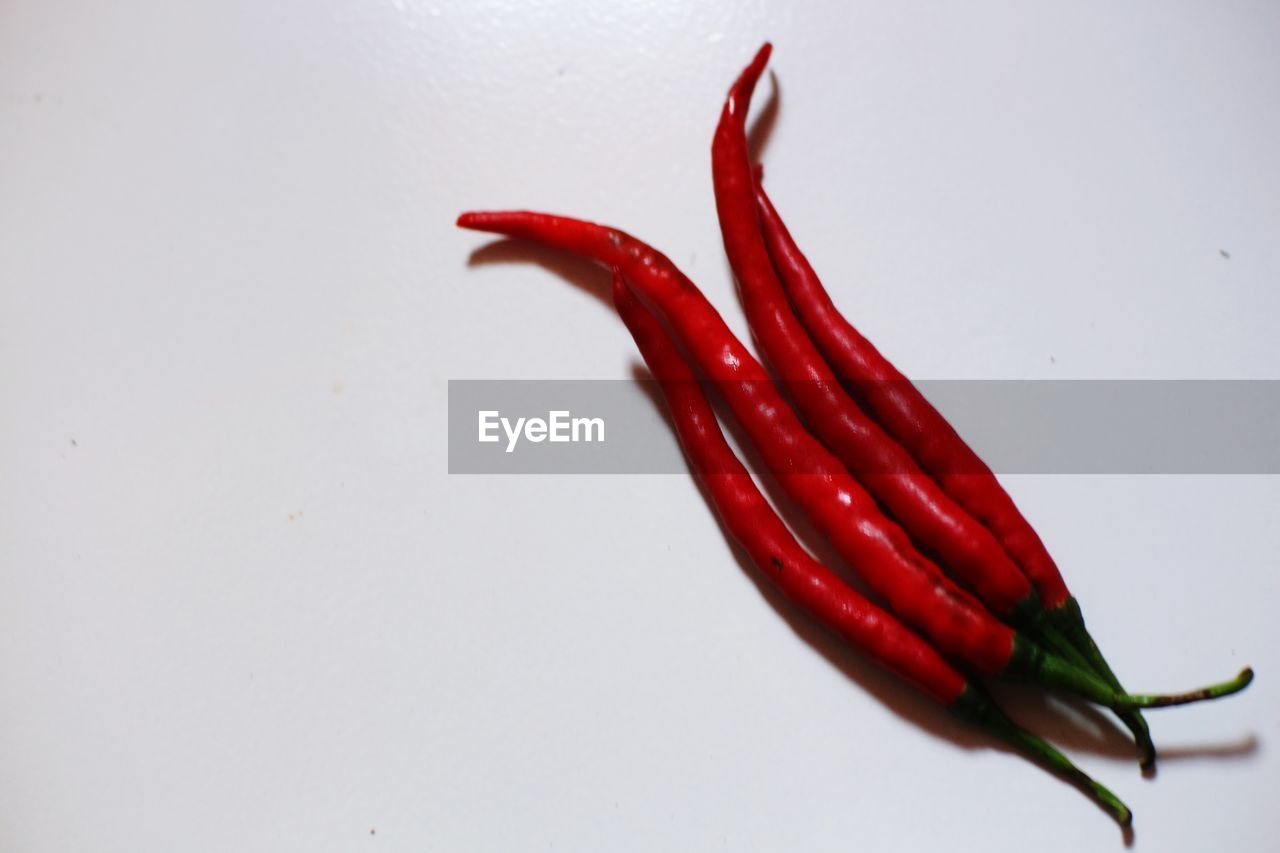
(917, 426)
(884, 468)
(842, 510)
(754, 524)
(918, 502)
(903, 412)
(875, 547)
(817, 590)
(928, 510)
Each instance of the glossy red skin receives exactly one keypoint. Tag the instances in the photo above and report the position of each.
(754, 524)
(875, 547)
(882, 465)
(906, 415)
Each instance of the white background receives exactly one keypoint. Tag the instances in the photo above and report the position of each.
(243, 606)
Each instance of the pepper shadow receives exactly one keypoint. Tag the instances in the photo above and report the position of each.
(766, 119)
(587, 276)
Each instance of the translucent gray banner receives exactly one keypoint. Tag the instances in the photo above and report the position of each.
(1016, 426)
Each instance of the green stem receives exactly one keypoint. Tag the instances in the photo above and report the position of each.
(1137, 724)
(1042, 628)
(1069, 620)
(1070, 639)
(1033, 662)
(1213, 691)
(978, 708)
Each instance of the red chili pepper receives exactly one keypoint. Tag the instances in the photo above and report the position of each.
(757, 528)
(917, 426)
(843, 511)
(776, 554)
(904, 412)
(874, 546)
(912, 497)
(933, 518)
(759, 250)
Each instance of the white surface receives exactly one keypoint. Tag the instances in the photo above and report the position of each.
(244, 607)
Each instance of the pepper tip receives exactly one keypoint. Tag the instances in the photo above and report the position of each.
(740, 93)
(761, 59)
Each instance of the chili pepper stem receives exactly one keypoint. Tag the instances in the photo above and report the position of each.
(1137, 726)
(1031, 661)
(1042, 627)
(1204, 694)
(1069, 620)
(978, 708)
(1075, 644)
